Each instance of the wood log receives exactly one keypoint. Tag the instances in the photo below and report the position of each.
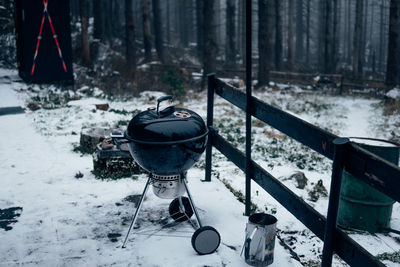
(104, 107)
(114, 163)
(90, 137)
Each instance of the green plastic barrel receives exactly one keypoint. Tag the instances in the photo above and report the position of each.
(361, 206)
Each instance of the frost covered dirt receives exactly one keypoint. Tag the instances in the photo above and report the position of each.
(68, 221)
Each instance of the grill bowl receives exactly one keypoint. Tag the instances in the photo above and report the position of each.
(168, 158)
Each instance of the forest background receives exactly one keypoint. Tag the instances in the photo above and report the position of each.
(114, 41)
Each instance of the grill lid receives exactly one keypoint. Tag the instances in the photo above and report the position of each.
(168, 126)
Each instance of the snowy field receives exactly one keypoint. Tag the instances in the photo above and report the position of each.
(66, 221)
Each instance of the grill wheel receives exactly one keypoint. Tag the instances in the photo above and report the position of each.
(176, 214)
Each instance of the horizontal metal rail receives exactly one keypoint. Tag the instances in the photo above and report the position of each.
(298, 129)
(345, 247)
(364, 165)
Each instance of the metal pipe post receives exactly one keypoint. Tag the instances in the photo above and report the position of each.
(137, 210)
(334, 194)
(248, 108)
(210, 118)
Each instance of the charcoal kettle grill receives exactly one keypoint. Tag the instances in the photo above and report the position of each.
(166, 143)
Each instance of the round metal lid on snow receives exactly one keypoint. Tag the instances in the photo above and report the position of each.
(168, 126)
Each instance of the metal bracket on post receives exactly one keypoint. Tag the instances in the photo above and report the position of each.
(334, 194)
(210, 118)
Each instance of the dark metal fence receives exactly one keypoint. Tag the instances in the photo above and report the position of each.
(371, 169)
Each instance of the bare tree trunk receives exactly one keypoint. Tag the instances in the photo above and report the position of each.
(299, 31)
(371, 41)
(210, 45)
(116, 23)
(308, 32)
(239, 29)
(349, 31)
(168, 22)
(108, 20)
(335, 37)
(130, 52)
(243, 32)
(278, 35)
(264, 43)
(199, 30)
(189, 20)
(158, 30)
(364, 35)
(83, 10)
(290, 58)
(357, 55)
(373, 62)
(98, 32)
(183, 15)
(393, 45)
(328, 60)
(381, 56)
(73, 6)
(321, 34)
(230, 33)
(146, 31)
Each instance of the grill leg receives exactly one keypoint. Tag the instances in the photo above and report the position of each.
(137, 211)
(192, 204)
(181, 206)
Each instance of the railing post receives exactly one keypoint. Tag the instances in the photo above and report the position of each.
(334, 194)
(248, 107)
(210, 118)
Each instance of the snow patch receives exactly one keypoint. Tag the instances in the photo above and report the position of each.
(86, 102)
(394, 94)
(372, 142)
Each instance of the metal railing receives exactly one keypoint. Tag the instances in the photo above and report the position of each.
(371, 169)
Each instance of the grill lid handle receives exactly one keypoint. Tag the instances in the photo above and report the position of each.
(161, 99)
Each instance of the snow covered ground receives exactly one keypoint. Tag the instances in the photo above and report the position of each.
(67, 221)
